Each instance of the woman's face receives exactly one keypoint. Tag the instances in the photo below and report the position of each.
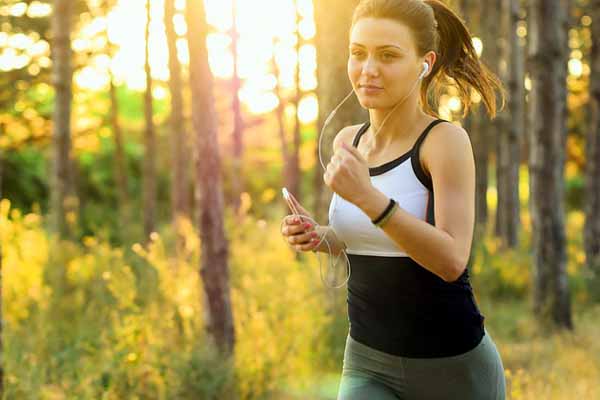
(382, 54)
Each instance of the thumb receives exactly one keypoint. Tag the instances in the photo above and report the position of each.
(354, 151)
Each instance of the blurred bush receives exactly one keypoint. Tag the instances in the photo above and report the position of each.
(89, 320)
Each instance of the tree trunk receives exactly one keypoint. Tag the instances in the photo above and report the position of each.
(279, 113)
(517, 124)
(238, 122)
(120, 166)
(477, 128)
(2, 133)
(214, 260)
(592, 179)
(489, 128)
(471, 12)
(62, 199)
(512, 127)
(294, 184)
(501, 45)
(180, 207)
(466, 11)
(546, 162)
(149, 141)
(332, 42)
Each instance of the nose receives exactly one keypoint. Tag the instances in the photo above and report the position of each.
(370, 67)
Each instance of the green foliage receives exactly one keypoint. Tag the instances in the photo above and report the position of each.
(575, 193)
(27, 162)
(504, 273)
(98, 189)
(24, 178)
(279, 307)
(131, 104)
(90, 320)
(204, 374)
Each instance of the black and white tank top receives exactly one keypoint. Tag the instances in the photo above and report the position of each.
(396, 305)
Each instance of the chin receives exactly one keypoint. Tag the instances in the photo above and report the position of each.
(371, 103)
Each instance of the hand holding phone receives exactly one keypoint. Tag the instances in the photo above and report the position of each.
(300, 232)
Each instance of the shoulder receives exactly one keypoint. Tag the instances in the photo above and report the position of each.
(345, 135)
(445, 143)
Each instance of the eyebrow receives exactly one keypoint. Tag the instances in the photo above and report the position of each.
(378, 47)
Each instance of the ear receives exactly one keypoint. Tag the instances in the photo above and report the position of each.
(430, 58)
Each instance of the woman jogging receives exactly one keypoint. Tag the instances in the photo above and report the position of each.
(405, 211)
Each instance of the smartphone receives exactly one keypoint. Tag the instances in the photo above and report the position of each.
(286, 196)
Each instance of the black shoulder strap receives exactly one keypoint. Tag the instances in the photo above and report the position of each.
(360, 132)
(425, 132)
(424, 178)
(417, 144)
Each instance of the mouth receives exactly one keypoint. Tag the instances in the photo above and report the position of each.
(370, 87)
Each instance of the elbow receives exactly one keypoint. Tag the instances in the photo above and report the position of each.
(455, 272)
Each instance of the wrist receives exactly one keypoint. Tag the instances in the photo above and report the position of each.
(322, 235)
(382, 219)
(373, 203)
(366, 197)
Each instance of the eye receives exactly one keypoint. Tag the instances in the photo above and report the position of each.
(389, 55)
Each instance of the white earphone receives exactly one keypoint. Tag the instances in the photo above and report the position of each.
(425, 70)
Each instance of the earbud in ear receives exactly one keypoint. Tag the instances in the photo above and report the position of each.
(425, 70)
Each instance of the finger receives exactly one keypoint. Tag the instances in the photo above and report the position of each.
(287, 230)
(352, 151)
(303, 238)
(297, 219)
(300, 229)
(306, 247)
(329, 169)
(340, 158)
(292, 219)
(330, 173)
(333, 166)
(299, 239)
(307, 237)
(343, 160)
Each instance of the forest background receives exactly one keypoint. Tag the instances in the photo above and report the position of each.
(143, 145)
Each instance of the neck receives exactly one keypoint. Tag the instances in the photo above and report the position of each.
(397, 125)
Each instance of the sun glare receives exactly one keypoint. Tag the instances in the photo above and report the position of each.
(478, 44)
(256, 32)
(262, 37)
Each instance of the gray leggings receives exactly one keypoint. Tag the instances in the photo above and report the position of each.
(370, 374)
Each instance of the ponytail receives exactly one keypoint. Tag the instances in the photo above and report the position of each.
(458, 61)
